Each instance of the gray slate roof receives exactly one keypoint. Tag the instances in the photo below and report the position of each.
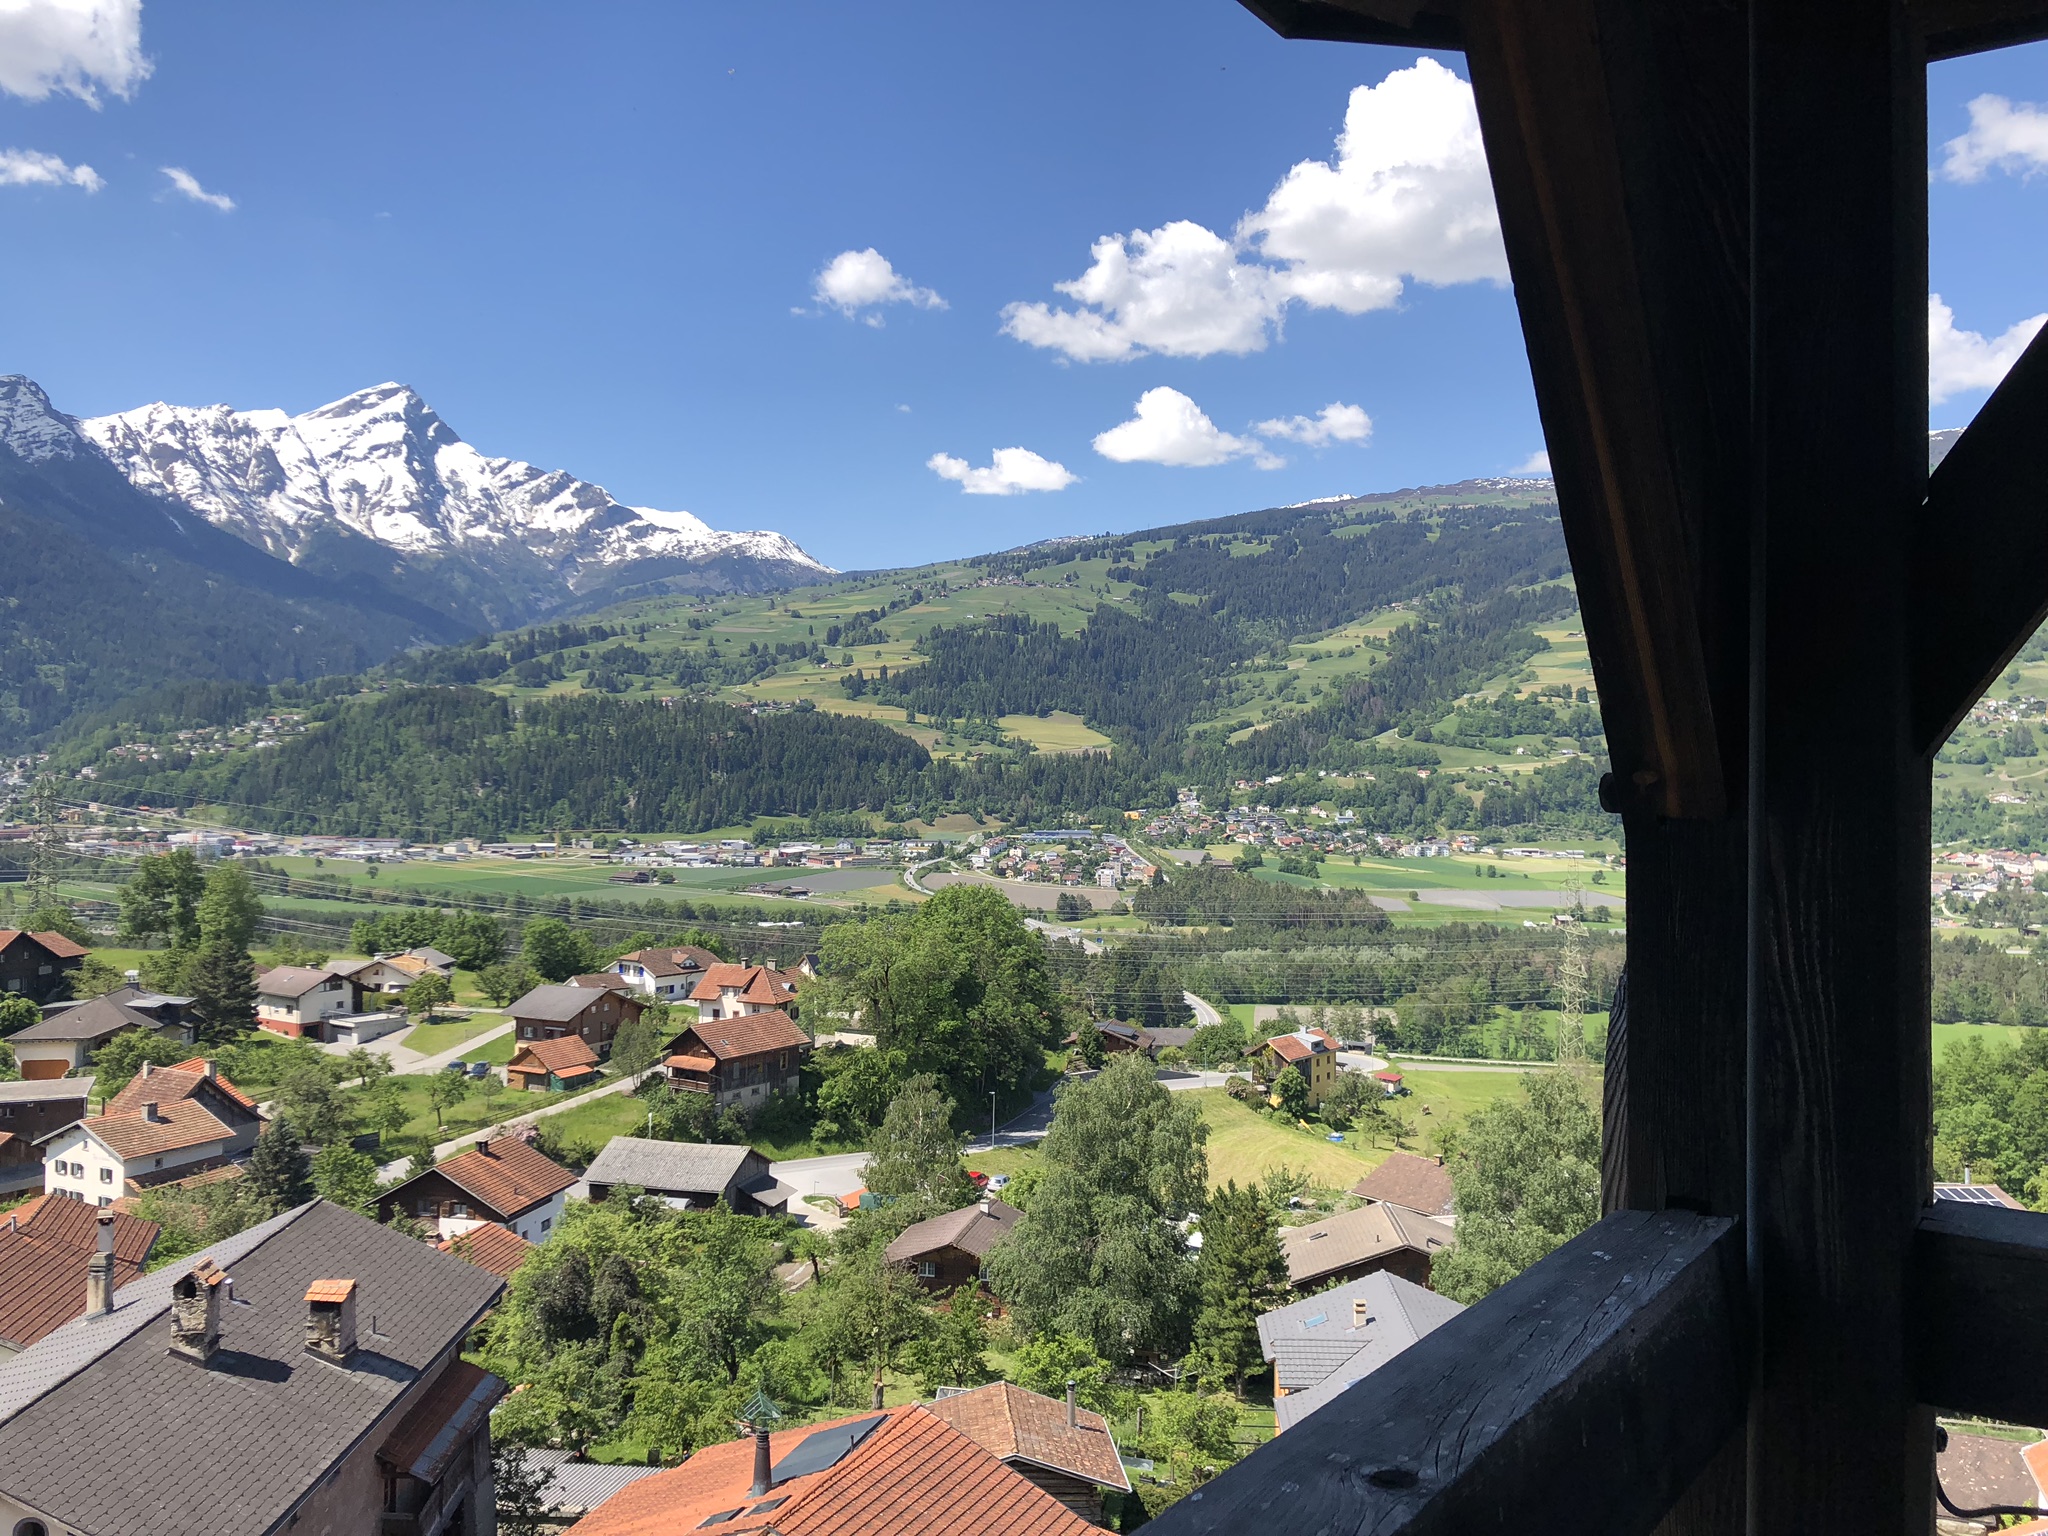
(88, 1021)
(29, 1091)
(553, 1003)
(1320, 1346)
(103, 1431)
(692, 1167)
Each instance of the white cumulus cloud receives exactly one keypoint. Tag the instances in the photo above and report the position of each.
(1404, 197)
(1538, 463)
(1169, 428)
(1179, 290)
(186, 184)
(1960, 360)
(1010, 471)
(2003, 135)
(856, 280)
(71, 46)
(1334, 423)
(32, 168)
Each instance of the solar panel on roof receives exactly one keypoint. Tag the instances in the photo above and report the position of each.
(1966, 1194)
(824, 1448)
(720, 1518)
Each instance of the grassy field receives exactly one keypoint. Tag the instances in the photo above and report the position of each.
(1245, 1145)
(1947, 1035)
(432, 1039)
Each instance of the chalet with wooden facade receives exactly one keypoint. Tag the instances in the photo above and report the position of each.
(741, 1059)
(1364, 1241)
(36, 965)
(328, 1395)
(1059, 1447)
(502, 1180)
(29, 1111)
(65, 1038)
(558, 1011)
(945, 1252)
(552, 1066)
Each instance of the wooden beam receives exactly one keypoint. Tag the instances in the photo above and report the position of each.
(1838, 1044)
(1588, 1392)
(1553, 141)
(1982, 551)
(1402, 23)
(1980, 1308)
(1952, 28)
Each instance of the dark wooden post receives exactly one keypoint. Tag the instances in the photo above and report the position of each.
(1839, 787)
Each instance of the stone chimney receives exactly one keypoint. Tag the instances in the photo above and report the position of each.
(195, 1312)
(99, 1269)
(331, 1320)
(987, 1206)
(152, 1114)
(763, 1476)
(1073, 1417)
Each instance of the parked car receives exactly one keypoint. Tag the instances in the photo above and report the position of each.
(479, 1069)
(456, 1066)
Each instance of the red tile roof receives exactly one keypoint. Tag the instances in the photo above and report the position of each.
(184, 1122)
(330, 1290)
(1301, 1045)
(438, 1424)
(915, 1475)
(44, 1246)
(163, 1084)
(55, 943)
(568, 1056)
(493, 1247)
(1416, 1183)
(749, 1034)
(1016, 1425)
(509, 1177)
(754, 983)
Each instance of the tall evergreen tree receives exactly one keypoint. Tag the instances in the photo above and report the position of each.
(223, 982)
(229, 909)
(279, 1174)
(1241, 1274)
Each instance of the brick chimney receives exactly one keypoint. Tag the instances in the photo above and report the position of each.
(152, 1114)
(195, 1312)
(99, 1269)
(331, 1320)
(483, 1145)
(210, 1069)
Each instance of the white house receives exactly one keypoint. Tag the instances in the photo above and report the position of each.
(297, 1001)
(666, 975)
(167, 1123)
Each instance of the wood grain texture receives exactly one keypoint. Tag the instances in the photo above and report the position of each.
(1952, 28)
(1838, 1047)
(1583, 1395)
(1402, 23)
(1980, 1307)
(1981, 557)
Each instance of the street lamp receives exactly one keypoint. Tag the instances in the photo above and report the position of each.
(991, 1122)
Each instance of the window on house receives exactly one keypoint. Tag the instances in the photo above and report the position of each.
(31, 1528)
(927, 1270)
(107, 1174)
(546, 1222)
(105, 1200)
(159, 1162)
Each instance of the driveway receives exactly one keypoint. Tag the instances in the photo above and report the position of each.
(407, 1061)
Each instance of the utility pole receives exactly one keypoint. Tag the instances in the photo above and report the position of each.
(1572, 985)
(46, 848)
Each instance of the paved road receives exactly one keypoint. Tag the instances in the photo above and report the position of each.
(405, 1060)
(1205, 1011)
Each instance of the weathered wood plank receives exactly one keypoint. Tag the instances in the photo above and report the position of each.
(1953, 28)
(1404, 23)
(1983, 550)
(1584, 1395)
(1980, 1309)
(1838, 1045)
(1553, 146)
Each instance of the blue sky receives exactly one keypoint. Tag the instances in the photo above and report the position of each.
(593, 238)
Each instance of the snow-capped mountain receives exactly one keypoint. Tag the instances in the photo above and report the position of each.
(380, 465)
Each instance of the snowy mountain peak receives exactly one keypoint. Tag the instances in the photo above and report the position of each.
(32, 427)
(381, 464)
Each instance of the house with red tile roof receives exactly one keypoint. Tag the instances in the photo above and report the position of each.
(166, 1124)
(489, 1246)
(739, 1059)
(902, 1472)
(35, 964)
(1420, 1184)
(1311, 1052)
(1061, 1447)
(503, 1180)
(727, 991)
(45, 1245)
(548, 1066)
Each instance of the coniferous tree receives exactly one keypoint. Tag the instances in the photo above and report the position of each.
(279, 1174)
(223, 983)
(1242, 1274)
